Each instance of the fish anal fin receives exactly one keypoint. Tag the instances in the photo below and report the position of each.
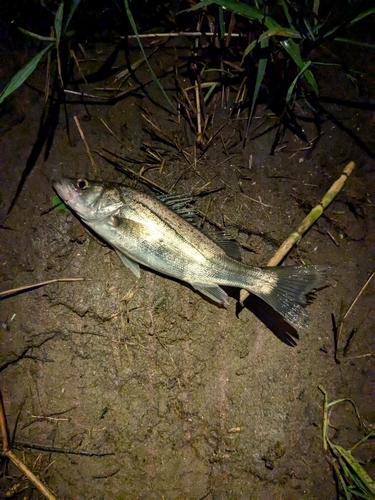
(214, 292)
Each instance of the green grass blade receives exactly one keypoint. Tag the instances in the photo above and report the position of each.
(358, 473)
(286, 13)
(362, 15)
(316, 7)
(360, 495)
(355, 20)
(309, 28)
(341, 400)
(345, 472)
(292, 48)
(37, 37)
(294, 82)
(363, 440)
(233, 6)
(274, 30)
(343, 483)
(280, 31)
(249, 48)
(354, 42)
(335, 65)
(73, 7)
(57, 204)
(135, 31)
(58, 21)
(23, 74)
(331, 31)
(260, 75)
(212, 87)
(317, 28)
(239, 8)
(221, 24)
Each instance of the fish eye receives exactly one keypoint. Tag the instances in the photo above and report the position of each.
(82, 184)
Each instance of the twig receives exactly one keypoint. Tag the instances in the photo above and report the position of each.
(43, 417)
(123, 93)
(358, 295)
(3, 425)
(126, 73)
(332, 238)
(184, 91)
(198, 112)
(242, 194)
(48, 73)
(30, 476)
(338, 329)
(157, 131)
(73, 55)
(135, 174)
(307, 222)
(111, 131)
(65, 451)
(193, 34)
(7, 452)
(307, 147)
(36, 285)
(83, 94)
(93, 164)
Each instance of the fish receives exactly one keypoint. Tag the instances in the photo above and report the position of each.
(158, 233)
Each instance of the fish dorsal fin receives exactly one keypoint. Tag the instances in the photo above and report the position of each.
(176, 201)
(181, 204)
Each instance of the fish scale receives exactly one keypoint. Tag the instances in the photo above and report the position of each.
(147, 231)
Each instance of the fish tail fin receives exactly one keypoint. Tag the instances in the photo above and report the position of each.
(285, 289)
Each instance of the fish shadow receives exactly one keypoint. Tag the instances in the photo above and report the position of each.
(264, 312)
(272, 319)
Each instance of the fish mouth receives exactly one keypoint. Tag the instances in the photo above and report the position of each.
(65, 191)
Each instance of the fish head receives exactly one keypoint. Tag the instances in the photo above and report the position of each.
(89, 199)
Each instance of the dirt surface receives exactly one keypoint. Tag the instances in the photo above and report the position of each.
(122, 388)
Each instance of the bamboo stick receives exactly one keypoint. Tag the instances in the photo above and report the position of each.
(307, 222)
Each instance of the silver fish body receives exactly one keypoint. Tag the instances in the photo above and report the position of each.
(145, 231)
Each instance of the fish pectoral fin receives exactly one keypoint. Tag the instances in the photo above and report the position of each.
(214, 292)
(129, 263)
(131, 227)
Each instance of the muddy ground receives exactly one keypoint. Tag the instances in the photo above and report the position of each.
(122, 388)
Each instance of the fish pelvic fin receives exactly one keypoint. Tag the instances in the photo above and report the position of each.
(129, 263)
(285, 289)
